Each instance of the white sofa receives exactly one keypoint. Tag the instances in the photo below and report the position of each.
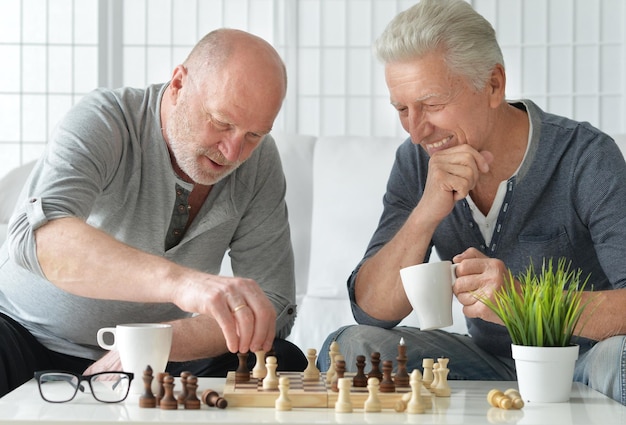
(334, 193)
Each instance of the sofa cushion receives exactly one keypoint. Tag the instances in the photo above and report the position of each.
(349, 179)
(10, 188)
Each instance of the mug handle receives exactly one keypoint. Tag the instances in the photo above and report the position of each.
(100, 338)
(453, 271)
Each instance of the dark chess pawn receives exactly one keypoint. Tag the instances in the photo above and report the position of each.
(168, 402)
(387, 385)
(375, 372)
(161, 390)
(147, 399)
(192, 401)
(242, 374)
(340, 370)
(360, 380)
(183, 384)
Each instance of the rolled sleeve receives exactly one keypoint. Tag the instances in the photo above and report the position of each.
(360, 316)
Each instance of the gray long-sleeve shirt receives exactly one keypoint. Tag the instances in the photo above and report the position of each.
(107, 162)
(568, 199)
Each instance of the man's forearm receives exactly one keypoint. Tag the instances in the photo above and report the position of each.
(379, 277)
(196, 338)
(85, 261)
(604, 315)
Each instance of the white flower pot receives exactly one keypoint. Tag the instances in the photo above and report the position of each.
(545, 374)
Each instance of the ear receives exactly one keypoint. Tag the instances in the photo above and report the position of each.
(179, 78)
(497, 85)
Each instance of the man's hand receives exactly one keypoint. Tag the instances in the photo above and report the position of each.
(242, 310)
(478, 276)
(452, 174)
(109, 362)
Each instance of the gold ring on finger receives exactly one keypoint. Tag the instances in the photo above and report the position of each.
(239, 307)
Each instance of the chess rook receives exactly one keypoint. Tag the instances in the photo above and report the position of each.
(344, 404)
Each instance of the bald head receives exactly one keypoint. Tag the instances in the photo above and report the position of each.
(236, 50)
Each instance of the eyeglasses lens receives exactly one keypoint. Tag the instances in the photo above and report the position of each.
(110, 387)
(58, 387)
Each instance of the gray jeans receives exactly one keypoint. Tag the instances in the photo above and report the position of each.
(602, 367)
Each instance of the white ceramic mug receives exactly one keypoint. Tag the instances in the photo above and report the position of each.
(428, 287)
(139, 345)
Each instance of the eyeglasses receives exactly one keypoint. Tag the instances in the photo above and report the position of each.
(56, 386)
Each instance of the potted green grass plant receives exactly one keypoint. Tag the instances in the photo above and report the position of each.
(541, 312)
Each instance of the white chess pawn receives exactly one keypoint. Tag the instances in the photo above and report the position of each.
(442, 389)
(344, 404)
(416, 404)
(283, 402)
(372, 404)
(433, 384)
(311, 373)
(259, 370)
(332, 352)
(270, 382)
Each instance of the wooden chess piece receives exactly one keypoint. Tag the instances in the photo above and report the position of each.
(270, 382)
(168, 402)
(497, 399)
(433, 384)
(442, 389)
(147, 399)
(311, 373)
(375, 371)
(283, 402)
(242, 374)
(161, 390)
(192, 401)
(427, 366)
(401, 379)
(259, 370)
(183, 385)
(516, 398)
(360, 380)
(212, 398)
(387, 385)
(400, 405)
(343, 403)
(340, 370)
(416, 404)
(372, 404)
(332, 352)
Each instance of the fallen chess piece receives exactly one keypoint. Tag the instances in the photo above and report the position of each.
(212, 398)
(510, 399)
(515, 397)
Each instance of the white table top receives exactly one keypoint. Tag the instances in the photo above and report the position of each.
(467, 405)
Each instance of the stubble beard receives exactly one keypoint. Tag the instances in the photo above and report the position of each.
(187, 152)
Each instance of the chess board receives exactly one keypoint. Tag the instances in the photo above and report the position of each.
(303, 393)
